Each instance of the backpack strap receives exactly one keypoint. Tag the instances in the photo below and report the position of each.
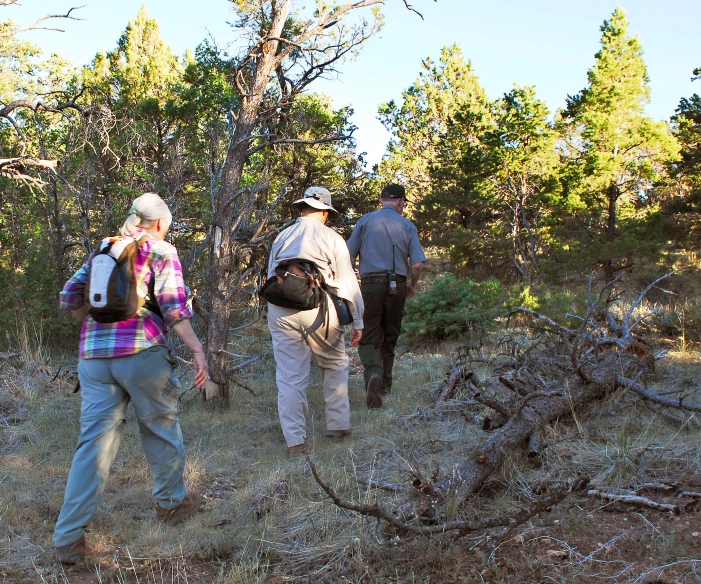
(149, 301)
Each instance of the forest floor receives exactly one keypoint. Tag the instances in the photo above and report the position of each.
(266, 520)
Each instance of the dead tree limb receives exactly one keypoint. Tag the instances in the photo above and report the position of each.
(690, 421)
(471, 473)
(460, 527)
(644, 392)
(448, 388)
(512, 386)
(384, 485)
(534, 445)
(39, 24)
(634, 500)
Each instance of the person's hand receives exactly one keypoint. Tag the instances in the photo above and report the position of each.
(80, 314)
(356, 335)
(201, 369)
(410, 292)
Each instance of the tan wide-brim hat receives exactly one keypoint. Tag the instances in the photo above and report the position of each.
(318, 198)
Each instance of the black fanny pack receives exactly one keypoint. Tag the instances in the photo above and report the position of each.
(298, 284)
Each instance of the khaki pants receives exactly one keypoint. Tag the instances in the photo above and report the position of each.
(293, 347)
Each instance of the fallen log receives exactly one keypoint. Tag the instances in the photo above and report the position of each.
(458, 527)
(604, 372)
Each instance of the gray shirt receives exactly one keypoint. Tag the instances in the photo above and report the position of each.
(385, 240)
(310, 239)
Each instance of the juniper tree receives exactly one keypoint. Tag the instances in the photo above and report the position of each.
(423, 116)
(614, 152)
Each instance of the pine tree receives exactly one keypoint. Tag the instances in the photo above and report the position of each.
(686, 125)
(615, 152)
(494, 183)
(441, 90)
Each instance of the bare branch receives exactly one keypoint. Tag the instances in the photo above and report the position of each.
(634, 500)
(337, 138)
(462, 527)
(410, 7)
(624, 324)
(377, 484)
(38, 24)
(245, 326)
(554, 327)
(246, 363)
(644, 392)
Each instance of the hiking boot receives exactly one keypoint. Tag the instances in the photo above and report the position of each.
(191, 503)
(302, 448)
(337, 433)
(373, 399)
(385, 390)
(74, 552)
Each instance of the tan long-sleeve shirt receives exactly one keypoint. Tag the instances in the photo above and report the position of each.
(310, 239)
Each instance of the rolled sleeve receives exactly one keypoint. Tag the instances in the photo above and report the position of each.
(72, 296)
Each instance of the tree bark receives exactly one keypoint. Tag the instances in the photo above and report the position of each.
(612, 195)
(225, 251)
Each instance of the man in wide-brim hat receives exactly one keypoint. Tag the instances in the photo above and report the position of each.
(298, 334)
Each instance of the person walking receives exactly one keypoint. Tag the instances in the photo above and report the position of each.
(391, 259)
(298, 335)
(130, 361)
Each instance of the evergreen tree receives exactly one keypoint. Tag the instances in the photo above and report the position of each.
(427, 107)
(686, 125)
(614, 152)
(494, 177)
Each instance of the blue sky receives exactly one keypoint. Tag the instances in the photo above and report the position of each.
(546, 43)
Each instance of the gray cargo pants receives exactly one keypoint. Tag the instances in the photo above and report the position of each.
(148, 380)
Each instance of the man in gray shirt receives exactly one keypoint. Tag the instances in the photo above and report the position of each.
(391, 259)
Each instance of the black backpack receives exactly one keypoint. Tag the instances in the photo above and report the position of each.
(111, 292)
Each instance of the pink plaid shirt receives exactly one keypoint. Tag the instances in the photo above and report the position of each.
(156, 259)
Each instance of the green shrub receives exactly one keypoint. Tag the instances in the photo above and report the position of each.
(557, 304)
(452, 307)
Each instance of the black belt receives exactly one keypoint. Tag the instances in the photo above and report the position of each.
(380, 279)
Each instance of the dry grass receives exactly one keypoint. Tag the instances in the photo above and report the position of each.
(237, 458)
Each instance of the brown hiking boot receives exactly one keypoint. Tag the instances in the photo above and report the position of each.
(191, 503)
(373, 399)
(337, 433)
(74, 552)
(302, 448)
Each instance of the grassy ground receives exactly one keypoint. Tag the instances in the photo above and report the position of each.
(266, 520)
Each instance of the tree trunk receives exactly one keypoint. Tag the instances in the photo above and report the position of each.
(612, 194)
(224, 256)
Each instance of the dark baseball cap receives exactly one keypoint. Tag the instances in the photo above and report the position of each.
(393, 191)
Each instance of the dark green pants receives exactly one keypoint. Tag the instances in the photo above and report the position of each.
(383, 323)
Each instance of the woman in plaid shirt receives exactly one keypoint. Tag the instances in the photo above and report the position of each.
(129, 361)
